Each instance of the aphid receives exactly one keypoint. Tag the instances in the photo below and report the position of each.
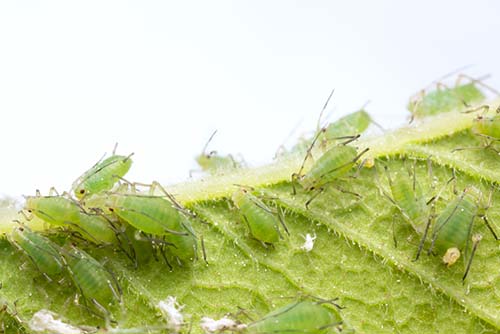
(102, 176)
(213, 163)
(452, 231)
(157, 216)
(65, 212)
(408, 197)
(42, 252)
(303, 316)
(262, 221)
(445, 99)
(486, 127)
(97, 284)
(331, 166)
(353, 123)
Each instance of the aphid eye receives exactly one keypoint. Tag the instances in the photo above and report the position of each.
(30, 211)
(82, 191)
(111, 209)
(21, 229)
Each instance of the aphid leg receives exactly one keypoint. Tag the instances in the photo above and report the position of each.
(484, 108)
(333, 324)
(172, 199)
(475, 242)
(394, 239)
(295, 178)
(203, 250)
(424, 236)
(281, 218)
(164, 256)
(318, 192)
(53, 191)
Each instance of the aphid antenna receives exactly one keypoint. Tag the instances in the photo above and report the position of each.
(478, 81)
(356, 158)
(318, 125)
(203, 152)
(114, 149)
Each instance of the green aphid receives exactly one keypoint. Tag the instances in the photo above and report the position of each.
(351, 124)
(65, 212)
(408, 197)
(97, 284)
(102, 176)
(299, 317)
(334, 164)
(452, 232)
(44, 254)
(445, 99)
(214, 163)
(262, 221)
(157, 216)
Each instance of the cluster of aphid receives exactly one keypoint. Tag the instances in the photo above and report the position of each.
(105, 209)
(452, 229)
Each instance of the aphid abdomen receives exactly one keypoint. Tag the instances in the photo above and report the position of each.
(352, 124)
(488, 126)
(102, 176)
(262, 223)
(96, 229)
(154, 215)
(299, 317)
(453, 224)
(94, 281)
(410, 202)
(334, 163)
(44, 254)
(56, 210)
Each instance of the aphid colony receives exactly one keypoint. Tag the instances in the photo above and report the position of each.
(106, 210)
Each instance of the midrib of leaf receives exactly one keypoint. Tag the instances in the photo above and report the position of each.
(404, 141)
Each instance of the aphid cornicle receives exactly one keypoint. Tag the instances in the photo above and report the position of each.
(444, 99)
(299, 317)
(96, 283)
(453, 229)
(262, 221)
(102, 176)
(44, 254)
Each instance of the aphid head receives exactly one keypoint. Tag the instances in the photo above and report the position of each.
(80, 192)
(31, 203)
(451, 256)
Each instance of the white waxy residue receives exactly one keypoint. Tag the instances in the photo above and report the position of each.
(309, 242)
(210, 325)
(172, 312)
(45, 321)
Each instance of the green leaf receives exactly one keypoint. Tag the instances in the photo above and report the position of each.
(354, 257)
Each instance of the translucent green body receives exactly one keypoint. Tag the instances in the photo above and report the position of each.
(55, 210)
(453, 226)
(299, 317)
(150, 214)
(262, 222)
(445, 100)
(410, 202)
(102, 176)
(333, 164)
(349, 125)
(488, 126)
(215, 164)
(42, 252)
(94, 281)
(61, 211)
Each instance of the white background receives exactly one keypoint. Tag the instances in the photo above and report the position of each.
(159, 77)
